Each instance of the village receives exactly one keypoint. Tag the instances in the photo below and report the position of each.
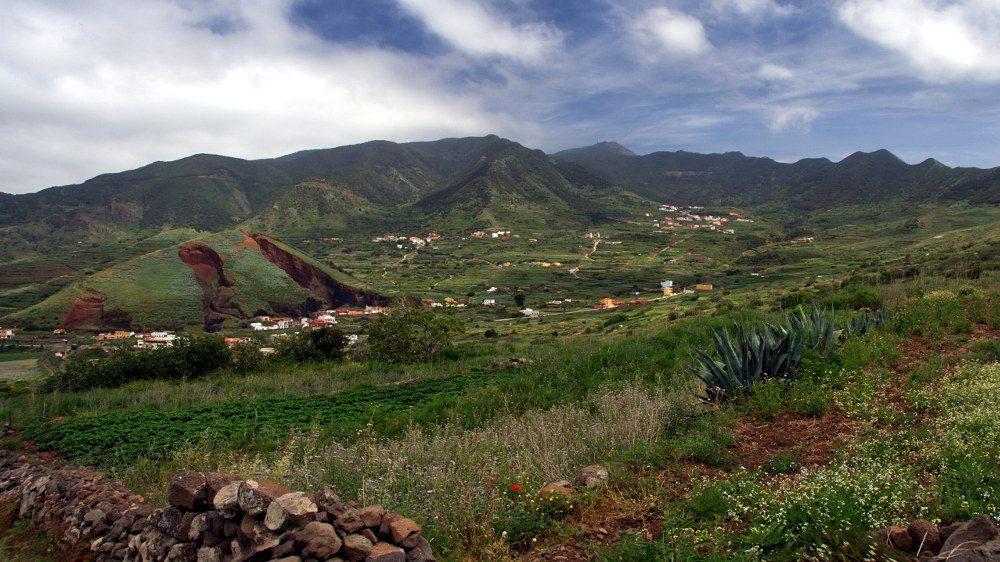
(665, 219)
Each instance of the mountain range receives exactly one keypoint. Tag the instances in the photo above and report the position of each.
(458, 183)
(189, 210)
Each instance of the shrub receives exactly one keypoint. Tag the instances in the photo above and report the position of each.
(410, 335)
(749, 356)
(190, 357)
(323, 344)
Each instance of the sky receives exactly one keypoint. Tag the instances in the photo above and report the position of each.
(96, 86)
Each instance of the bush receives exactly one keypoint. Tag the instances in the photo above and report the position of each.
(323, 344)
(410, 335)
(190, 357)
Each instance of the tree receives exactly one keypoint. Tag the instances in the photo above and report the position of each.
(409, 334)
(323, 344)
(190, 357)
(519, 300)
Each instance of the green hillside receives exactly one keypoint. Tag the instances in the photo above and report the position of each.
(160, 290)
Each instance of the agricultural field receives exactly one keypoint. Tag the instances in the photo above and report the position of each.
(745, 476)
(19, 366)
(762, 471)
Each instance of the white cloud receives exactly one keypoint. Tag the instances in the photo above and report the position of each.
(944, 40)
(774, 72)
(673, 32)
(792, 118)
(82, 93)
(753, 7)
(474, 29)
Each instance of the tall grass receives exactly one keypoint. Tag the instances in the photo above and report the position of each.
(275, 381)
(454, 480)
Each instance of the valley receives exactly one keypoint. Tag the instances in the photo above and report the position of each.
(566, 299)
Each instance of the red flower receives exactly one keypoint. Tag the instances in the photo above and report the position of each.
(516, 487)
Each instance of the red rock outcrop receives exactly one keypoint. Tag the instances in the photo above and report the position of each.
(88, 313)
(310, 277)
(216, 289)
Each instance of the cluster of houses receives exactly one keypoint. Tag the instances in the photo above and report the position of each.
(6, 333)
(325, 319)
(493, 234)
(414, 241)
(143, 340)
(608, 302)
(688, 217)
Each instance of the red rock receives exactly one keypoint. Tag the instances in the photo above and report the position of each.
(385, 552)
(561, 488)
(356, 547)
(925, 536)
(321, 540)
(401, 528)
(900, 539)
(188, 490)
(372, 515)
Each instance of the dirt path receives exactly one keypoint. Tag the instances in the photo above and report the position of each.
(491, 264)
(814, 441)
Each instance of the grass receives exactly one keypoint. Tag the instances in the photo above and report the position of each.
(617, 395)
(20, 541)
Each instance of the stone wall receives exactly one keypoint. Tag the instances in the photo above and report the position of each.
(211, 517)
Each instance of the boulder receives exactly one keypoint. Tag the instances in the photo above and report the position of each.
(385, 552)
(215, 481)
(384, 534)
(255, 497)
(208, 522)
(593, 476)
(356, 547)
(320, 539)
(290, 509)
(900, 539)
(925, 536)
(327, 500)
(372, 515)
(227, 499)
(421, 552)
(94, 516)
(401, 528)
(188, 490)
(175, 523)
(183, 552)
(561, 488)
(209, 554)
(350, 520)
(973, 533)
(368, 534)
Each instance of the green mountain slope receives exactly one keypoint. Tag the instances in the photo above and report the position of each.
(807, 185)
(207, 282)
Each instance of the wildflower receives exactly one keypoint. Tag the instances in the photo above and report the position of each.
(516, 487)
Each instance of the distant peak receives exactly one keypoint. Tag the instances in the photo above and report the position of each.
(599, 149)
(879, 156)
(614, 147)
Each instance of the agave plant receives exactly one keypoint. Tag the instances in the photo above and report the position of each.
(865, 322)
(819, 327)
(747, 357)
